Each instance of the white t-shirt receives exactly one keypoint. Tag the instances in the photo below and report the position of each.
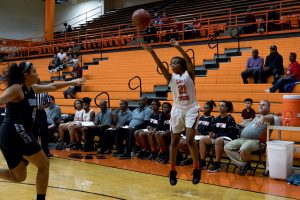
(87, 116)
(183, 90)
(61, 56)
(78, 115)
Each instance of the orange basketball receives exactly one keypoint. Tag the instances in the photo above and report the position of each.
(141, 18)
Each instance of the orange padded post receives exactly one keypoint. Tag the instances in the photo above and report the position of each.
(49, 19)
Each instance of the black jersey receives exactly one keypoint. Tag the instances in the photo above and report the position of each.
(204, 124)
(154, 119)
(21, 112)
(163, 122)
(225, 127)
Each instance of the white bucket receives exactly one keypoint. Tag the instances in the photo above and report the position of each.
(280, 158)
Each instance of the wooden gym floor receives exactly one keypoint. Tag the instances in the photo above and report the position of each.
(110, 178)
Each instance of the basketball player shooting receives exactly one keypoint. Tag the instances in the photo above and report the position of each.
(185, 109)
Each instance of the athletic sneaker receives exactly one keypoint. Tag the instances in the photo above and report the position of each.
(60, 146)
(117, 154)
(153, 156)
(172, 178)
(196, 176)
(141, 155)
(244, 169)
(203, 164)
(216, 167)
(165, 159)
(124, 156)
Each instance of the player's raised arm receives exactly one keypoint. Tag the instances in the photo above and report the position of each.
(56, 86)
(163, 69)
(190, 65)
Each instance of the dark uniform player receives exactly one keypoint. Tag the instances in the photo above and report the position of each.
(16, 140)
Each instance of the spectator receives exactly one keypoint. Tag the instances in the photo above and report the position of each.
(61, 56)
(77, 131)
(223, 131)
(66, 127)
(156, 19)
(292, 76)
(163, 133)
(150, 34)
(261, 24)
(253, 66)
(196, 27)
(69, 28)
(145, 138)
(53, 114)
(140, 120)
(203, 129)
(76, 73)
(165, 19)
(248, 114)
(273, 66)
(102, 123)
(249, 20)
(70, 52)
(122, 118)
(239, 150)
(177, 30)
(54, 64)
(273, 18)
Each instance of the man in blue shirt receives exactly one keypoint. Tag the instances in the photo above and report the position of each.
(254, 65)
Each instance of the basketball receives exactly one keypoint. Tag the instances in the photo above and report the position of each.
(141, 18)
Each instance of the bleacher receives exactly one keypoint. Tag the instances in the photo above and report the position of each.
(223, 83)
(115, 30)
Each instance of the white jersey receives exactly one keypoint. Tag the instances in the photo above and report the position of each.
(79, 115)
(87, 116)
(183, 90)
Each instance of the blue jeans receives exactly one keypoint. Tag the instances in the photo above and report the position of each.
(281, 83)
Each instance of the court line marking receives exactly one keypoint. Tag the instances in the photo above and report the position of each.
(248, 190)
(69, 189)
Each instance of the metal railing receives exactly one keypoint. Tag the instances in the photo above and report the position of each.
(138, 86)
(119, 33)
(213, 45)
(193, 55)
(96, 97)
(235, 34)
(167, 66)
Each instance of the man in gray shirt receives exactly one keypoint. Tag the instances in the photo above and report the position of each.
(140, 120)
(102, 123)
(53, 114)
(239, 150)
(122, 118)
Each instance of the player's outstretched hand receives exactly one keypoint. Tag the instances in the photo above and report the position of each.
(79, 81)
(174, 43)
(146, 47)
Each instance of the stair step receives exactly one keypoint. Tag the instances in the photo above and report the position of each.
(153, 95)
(100, 59)
(58, 78)
(91, 63)
(85, 67)
(209, 62)
(45, 82)
(161, 88)
(200, 71)
(234, 53)
(212, 66)
(66, 73)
